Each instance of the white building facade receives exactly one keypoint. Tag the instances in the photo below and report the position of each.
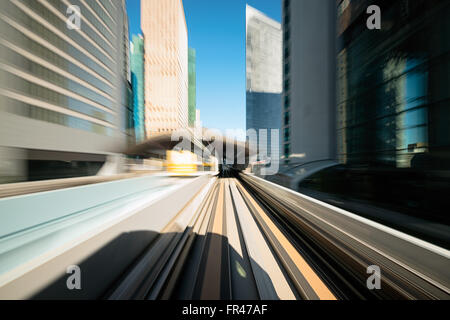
(264, 78)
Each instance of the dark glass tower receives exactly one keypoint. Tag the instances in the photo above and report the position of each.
(393, 85)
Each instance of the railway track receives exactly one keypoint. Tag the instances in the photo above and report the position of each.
(231, 249)
(237, 241)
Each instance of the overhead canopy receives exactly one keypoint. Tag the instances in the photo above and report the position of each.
(159, 144)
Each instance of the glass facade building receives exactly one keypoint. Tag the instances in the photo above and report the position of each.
(263, 76)
(393, 84)
(393, 113)
(138, 84)
(192, 87)
(62, 89)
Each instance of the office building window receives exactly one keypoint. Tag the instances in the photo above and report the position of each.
(287, 85)
(287, 150)
(287, 3)
(287, 133)
(287, 35)
(287, 19)
(286, 118)
(287, 52)
(287, 101)
(287, 68)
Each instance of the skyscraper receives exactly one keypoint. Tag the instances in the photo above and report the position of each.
(393, 111)
(192, 87)
(393, 105)
(166, 65)
(128, 102)
(309, 80)
(62, 91)
(264, 75)
(138, 84)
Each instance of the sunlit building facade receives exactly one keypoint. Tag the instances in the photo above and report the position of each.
(263, 76)
(63, 92)
(164, 27)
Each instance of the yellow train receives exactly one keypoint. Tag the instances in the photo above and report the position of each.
(186, 163)
(181, 162)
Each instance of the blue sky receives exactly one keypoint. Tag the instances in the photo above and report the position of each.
(217, 31)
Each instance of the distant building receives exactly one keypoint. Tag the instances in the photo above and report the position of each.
(164, 27)
(309, 130)
(192, 87)
(138, 84)
(264, 75)
(130, 124)
(128, 102)
(63, 93)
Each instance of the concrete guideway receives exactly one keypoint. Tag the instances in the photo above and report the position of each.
(207, 238)
(250, 239)
(226, 254)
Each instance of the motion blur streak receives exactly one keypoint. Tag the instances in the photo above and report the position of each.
(337, 189)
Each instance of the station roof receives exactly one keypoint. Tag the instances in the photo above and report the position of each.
(160, 143)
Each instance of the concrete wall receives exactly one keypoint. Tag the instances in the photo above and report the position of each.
(312, 79)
